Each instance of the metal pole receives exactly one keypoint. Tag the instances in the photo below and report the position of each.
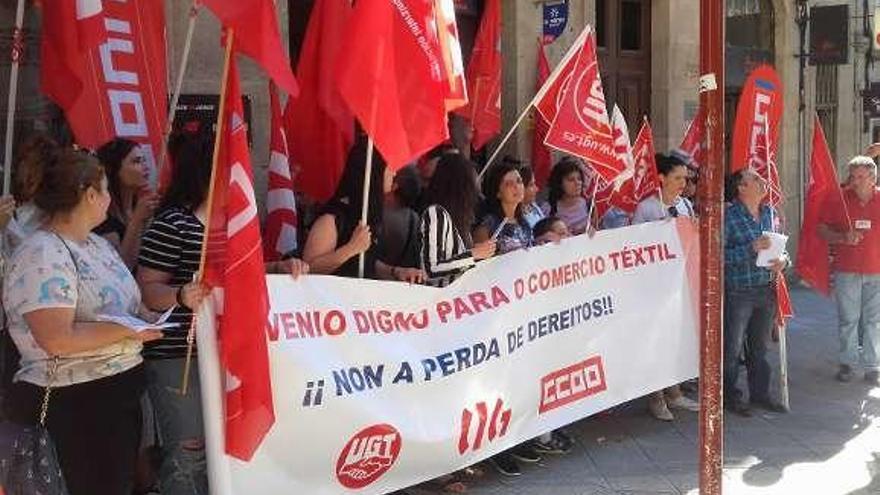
(16, 53)
(712, 16)
(783, 366)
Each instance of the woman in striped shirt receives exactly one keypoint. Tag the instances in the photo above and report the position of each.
(447, 246)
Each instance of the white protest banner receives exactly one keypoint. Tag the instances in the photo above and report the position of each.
(381, 385)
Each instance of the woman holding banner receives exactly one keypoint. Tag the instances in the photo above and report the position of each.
(667, 203)
(447, 246)
(338, 237)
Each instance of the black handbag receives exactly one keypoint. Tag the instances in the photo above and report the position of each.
(28, 461)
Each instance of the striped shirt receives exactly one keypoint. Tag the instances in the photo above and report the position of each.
(444, 254)
(173, 244)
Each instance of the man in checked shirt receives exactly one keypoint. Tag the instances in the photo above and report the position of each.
(749, 293)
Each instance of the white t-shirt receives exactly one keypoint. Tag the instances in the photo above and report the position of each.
(653, 209)
(42, 274)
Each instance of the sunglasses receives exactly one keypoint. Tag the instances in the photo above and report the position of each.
(673, 212)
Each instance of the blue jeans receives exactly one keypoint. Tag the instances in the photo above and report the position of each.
(749, 316)
(184, 467)
(858, 312)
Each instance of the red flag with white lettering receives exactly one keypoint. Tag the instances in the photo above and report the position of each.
(542, 160)
(759, 110)
(484, 78)
(281, 218)
(234, 267)
(257, 36)
(582, 127)
(450, 47)
(549, 96)
(692, 144)
(621, 193)
(391, 74)
(107, 72)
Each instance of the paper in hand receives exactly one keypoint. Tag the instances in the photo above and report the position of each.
(774, 252)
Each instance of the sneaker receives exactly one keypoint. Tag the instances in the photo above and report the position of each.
(844, 374)
(525, 453)
(683, 402)
(505, 464)
(873, 377)
(658, 409)
(559, 443)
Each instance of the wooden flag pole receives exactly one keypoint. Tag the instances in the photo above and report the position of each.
(221, 123)
(16, 52)
(178, 84)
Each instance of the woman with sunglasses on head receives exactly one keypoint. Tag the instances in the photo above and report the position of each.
(667, 203)
(131, 201)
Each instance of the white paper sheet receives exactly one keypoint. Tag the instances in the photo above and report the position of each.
(775, 251)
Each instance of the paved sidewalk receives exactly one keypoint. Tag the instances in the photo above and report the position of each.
(829, 444)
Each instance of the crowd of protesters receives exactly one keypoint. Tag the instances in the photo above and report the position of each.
(84, 239)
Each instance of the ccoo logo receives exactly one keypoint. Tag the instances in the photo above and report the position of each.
(368, 455)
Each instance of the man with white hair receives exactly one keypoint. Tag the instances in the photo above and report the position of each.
(852, 228)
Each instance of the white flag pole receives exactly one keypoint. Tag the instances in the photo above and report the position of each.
(368, 174)
(571, 53)
(17, 51)
(178, 84)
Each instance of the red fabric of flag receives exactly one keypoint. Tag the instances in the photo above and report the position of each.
(760, 107)
(484, 78)
(621, 193)
(320, 128)
(784, 308)
(71, 31)
(813, 265)
(692, 144)
(234, 265)
(582, 127)
(542, 159)
(646, 182)
(281, 219)
(549, 97)
(257, 36)
(450, 47)
(391, 75)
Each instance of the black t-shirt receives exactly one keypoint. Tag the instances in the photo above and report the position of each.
(112, 225)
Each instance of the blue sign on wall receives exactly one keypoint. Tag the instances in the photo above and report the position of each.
(555, 19)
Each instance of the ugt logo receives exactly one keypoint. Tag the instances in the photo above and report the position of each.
(497, 425)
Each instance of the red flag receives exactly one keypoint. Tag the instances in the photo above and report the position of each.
(542, 160)
(450, 47)
(281, 203)
(759, 110)
(784, 308)
(71, 30)
(693, 144)
(646, 182)
(320, 128)
(257, 36)
(112, 89)
(812, 264)
(582, 127)
(234, 264)
(484, 78)
(391, 75)
(549, 97)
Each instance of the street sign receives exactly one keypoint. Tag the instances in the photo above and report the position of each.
(555, 19)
